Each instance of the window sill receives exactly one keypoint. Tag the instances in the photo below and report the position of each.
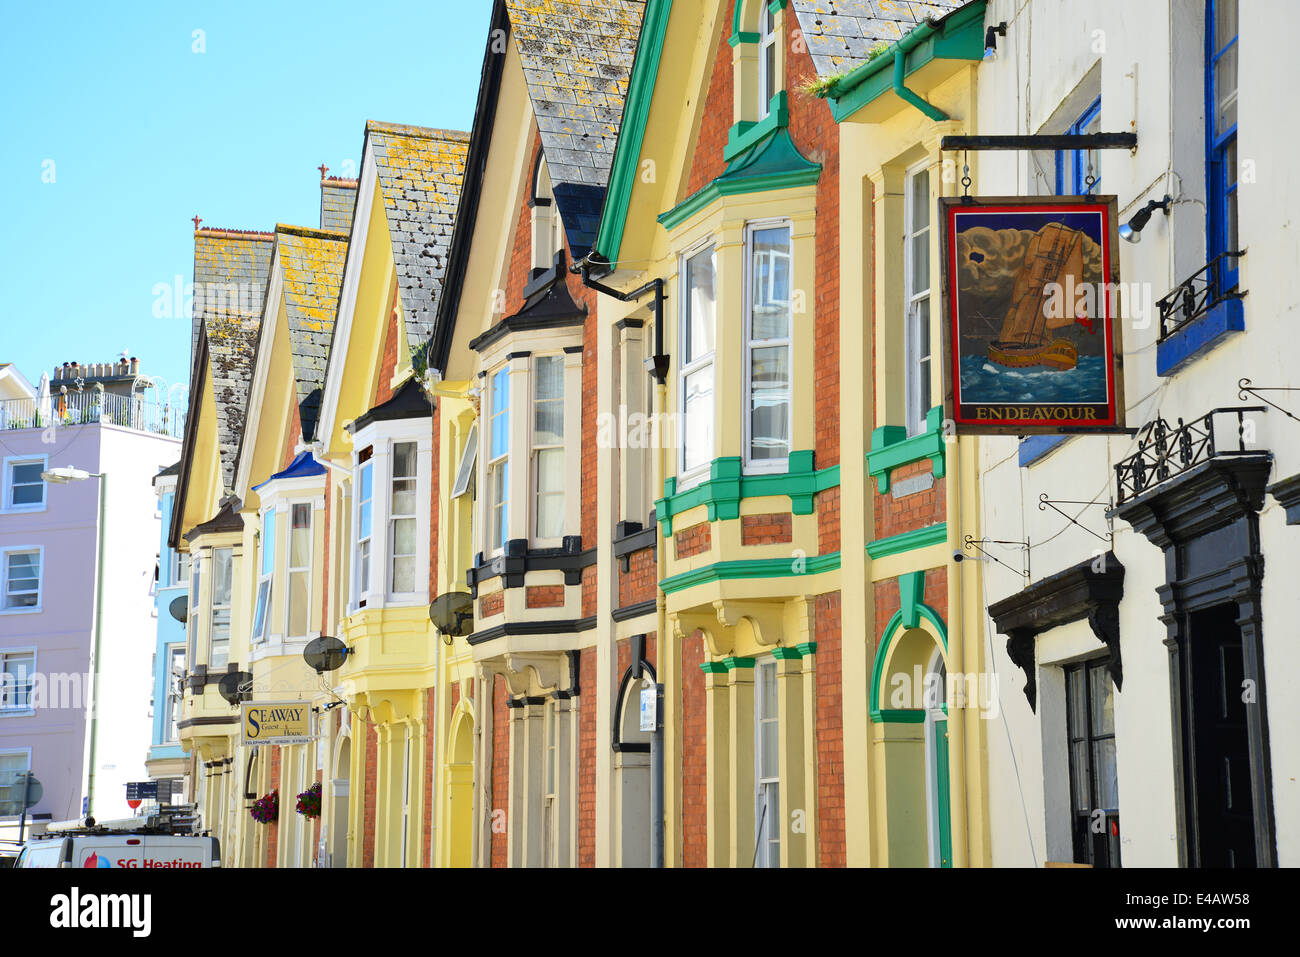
(23, 509)
(747, 133)
(17, 712)
(1198, 337)
(891, 448)
(727, 485)
(34, 609)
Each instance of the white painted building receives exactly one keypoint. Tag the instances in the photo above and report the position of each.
(1188, 752)
(48, 549)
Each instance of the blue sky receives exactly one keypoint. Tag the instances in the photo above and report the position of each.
(139, 132)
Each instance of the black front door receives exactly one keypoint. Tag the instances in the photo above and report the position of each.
(1220, 815)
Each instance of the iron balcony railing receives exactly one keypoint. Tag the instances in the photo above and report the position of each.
(93, 407)
(1199, 293)
(1165, 451)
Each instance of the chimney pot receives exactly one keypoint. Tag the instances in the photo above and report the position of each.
(135, 365)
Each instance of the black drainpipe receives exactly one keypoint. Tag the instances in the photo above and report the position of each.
(657, 364)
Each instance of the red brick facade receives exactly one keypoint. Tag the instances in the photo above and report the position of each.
(917, 510)
(773, 528)
(499, 828)
(587, 705)
(369, 794)
(693, 540)
(641, 580)
(695, 796)
(492, 604)
(544, 596)
(831, 850)
(273, 829)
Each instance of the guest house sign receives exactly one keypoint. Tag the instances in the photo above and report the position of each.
(1031, 335)
(276, 722)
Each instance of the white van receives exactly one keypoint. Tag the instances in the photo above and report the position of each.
(121, 850)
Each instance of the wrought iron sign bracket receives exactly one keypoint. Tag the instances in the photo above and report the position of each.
(1244, 387)
(1045, 503)
(979, 543)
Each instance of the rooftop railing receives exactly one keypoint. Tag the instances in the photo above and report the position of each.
(93, 407)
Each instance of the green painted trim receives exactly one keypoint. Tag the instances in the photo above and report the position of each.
(911, 595)
(943, 793)
(907, 541)
(747, 133)
(807, 648)
(773, 162)
(891, 448)
(636, 113)
(737, 35)
(786, 654)
(713, 667)
(899, 716)
(892, 630)
(726, 486)
(959, 36)
(733, 662)
(751, 568)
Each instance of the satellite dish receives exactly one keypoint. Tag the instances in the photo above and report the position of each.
(229, 687)
(452, 613)
(325, 653)
(180, 608)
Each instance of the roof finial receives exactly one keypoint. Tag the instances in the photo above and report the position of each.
(323, 170)
(197, 220)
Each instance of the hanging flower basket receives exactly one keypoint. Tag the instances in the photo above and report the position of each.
(266, 809)
(309, 801)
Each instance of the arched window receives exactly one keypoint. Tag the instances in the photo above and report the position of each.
(757, 39)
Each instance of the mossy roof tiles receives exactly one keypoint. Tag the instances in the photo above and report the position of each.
(577, 58)
(420, 172)
(841, 33)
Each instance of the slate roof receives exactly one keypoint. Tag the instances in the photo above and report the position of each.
(311, 265)
(577, 58)
(420, 172)
(841, 33)
(230, 273)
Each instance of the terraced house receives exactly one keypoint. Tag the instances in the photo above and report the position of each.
(587, 475)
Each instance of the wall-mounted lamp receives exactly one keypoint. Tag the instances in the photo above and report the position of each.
(991, 40)
(1131, 231)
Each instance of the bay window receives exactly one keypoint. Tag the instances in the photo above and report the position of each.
(365, 529)
(699, 301)
(402, 538)
(222, 580)
(767, 774)
(767, 347)
(498, 466)
(262, 616)
(299, 584)
(916, 282)
(548, 446)
(768, 81)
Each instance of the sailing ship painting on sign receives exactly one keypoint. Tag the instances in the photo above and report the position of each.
(1031, 342)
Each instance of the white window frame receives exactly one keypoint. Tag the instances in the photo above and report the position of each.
(915, 404)
(752, 465)
(262, 600)
(363, 589)
(534, 469)
(393, 518)
(767, 31)
(468, 459)
(688, 477)
(766, 780)
(290, 569)
(213, 607)
(382, 438)
(14, 711)
(5, 554)
(491, 547)
(175, 694)
(10, 463)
